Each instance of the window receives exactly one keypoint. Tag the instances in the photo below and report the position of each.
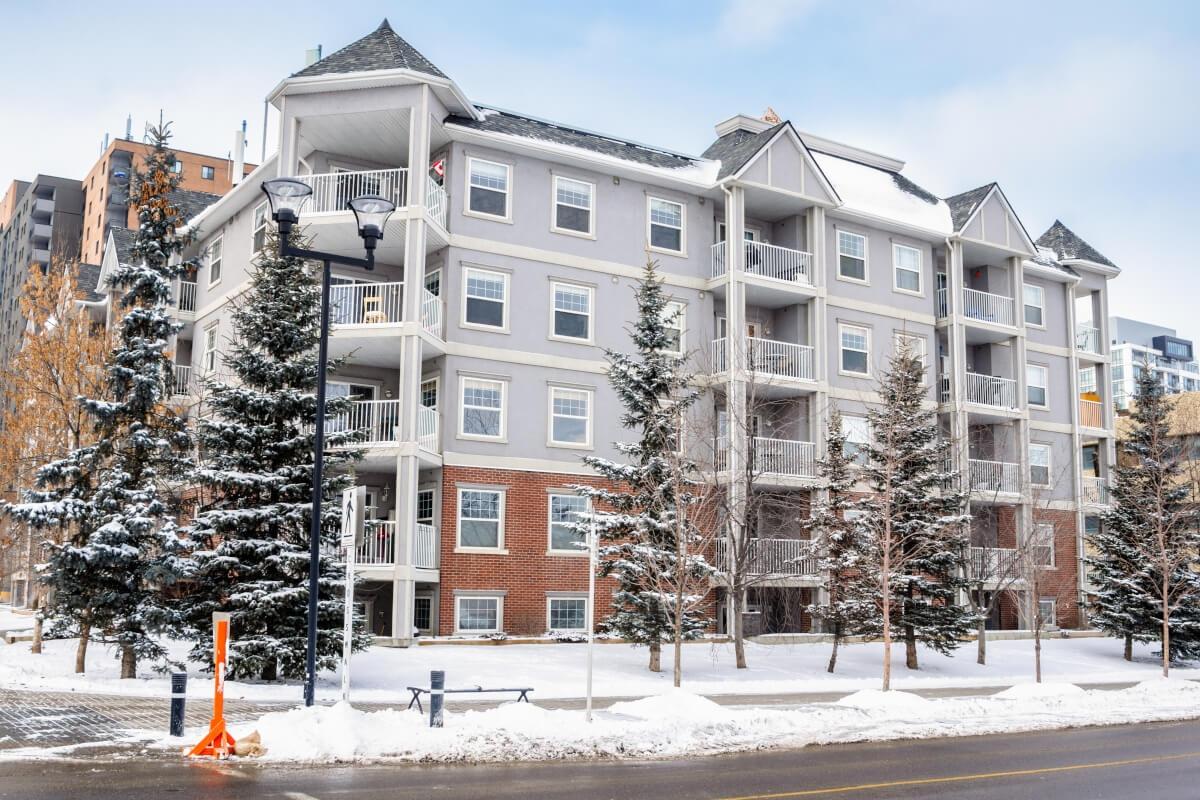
(673, 322)
(429, 393)
(488, 188)
(567, 613)
(564, 510)
(1036, 379)
(214, 261)
(1087, 379)
(208, 361)
(261, 218)
(481, 518)
(1035, 305)
(477, 614)
(433, 282)
(573, 205)
(749, 234)
(907, 263)
(856, 349)
(1039, 464)
(482, 409)
(915, 345)
(1048, 612)
(666, 225)
(207, 173)
(425, 507)
(572, 312)
(570, 417)
(484, 301)
(858, 436)
(852, 256)
(176, 167)
(1042, 551)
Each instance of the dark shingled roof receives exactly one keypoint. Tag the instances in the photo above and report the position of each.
(962, 206)
(190, 202)
(506, 122)
(381, 49)
(123, 239)
(736, 148)
(1067, 246)
(87, 280)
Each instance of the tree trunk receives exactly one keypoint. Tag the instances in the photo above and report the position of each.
(837, 637)
(677, 675)
(910, 647)
(128, 662)
(1129, 647)
(1166, 627)
(739, 631)
(1037, 649)
(36, 646)
(85, 631)
(656, 656)
(981, 642)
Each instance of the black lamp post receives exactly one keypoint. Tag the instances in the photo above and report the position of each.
(371, 212)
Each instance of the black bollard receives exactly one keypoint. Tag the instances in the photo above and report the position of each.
(437, 689)
(178, 701)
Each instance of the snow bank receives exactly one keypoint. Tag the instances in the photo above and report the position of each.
(1023, 691)
(887, 701)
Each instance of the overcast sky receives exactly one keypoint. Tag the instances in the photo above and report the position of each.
(1083, 111)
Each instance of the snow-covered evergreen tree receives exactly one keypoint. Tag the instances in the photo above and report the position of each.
(122, 557)
(251, 528)
(851, 604)
(1143, 558)
(637, 514)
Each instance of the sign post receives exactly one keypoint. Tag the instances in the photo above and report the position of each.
(354, 501)
(217, 743)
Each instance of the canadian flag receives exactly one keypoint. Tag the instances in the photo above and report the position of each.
(439, 167)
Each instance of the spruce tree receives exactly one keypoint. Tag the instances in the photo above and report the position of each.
(851, 605)
(251, 528)
(117, 569)
(636, 515)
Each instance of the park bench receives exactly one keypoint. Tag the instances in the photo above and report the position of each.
(417, 691)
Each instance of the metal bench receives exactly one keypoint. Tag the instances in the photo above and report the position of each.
(417, 691)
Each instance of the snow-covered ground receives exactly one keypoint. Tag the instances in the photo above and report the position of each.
(557, 670)
(11, 620)
(680, 723)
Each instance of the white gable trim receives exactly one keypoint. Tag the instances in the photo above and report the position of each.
(789, 131)
(1008, 209)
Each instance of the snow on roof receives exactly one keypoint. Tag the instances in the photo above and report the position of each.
(885, 194)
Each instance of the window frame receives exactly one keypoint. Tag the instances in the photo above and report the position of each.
(550, 415)
(860, 455)
(1049, 451)
(865, 280)
(208, 172)
(923, 350)
(590, 291)
(896, 269)
(504, 314)
(257, 227)
(842, 326)
(682, 251)
(1044, 386)
(459, 630)
(560, 596)
(1043, 536)
(212, 332)
(502, 508)
(551, 550)
(507, 192)
(462, 407)
(1053, 621)
(681, 321)
(1026, 305)
(219, 244)
(590, 233)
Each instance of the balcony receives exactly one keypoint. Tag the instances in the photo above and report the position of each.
(183, 380)
(992, 391)
(377, 419)
(375, 304)
(1087, 339)
(767, 358)
(768, 261)
(993, 564)
(187, 297)
(332, 190)
(425, 547)
(1091, 413)
(378, 547)
(994, 477)
(1095, 491)
(986, 307)
(428, 428)
(779, 557)
(788, 458)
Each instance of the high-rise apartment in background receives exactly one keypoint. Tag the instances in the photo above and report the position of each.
(1136, 345)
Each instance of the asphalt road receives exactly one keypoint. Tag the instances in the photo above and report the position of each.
(1148, 762)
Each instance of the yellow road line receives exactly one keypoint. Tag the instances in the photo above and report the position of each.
(862, 787)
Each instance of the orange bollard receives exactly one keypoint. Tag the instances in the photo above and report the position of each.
(217, 743)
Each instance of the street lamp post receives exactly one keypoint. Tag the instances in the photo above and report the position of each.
(287, 196)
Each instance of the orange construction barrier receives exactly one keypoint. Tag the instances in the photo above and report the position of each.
(217, 743)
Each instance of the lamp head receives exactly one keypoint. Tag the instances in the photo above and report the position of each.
(286, 196)
(371, 212)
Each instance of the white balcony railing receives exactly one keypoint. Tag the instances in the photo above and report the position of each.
(428, 423)
(720, 356)
(376, 418)
(333, 190)
(366, 303)
(436, 201)
(784, 457)
(795, 557)
(1087, 339)
(378, 544)
(187, 296)
(768, 261)
(943, 303)
(425, 547)
(183, 379)
(431, 313)
(1091, 413)
(994, 563)
(995, 477)
(990, 390)
(1095, 491)
(988, 307)
(779, 359)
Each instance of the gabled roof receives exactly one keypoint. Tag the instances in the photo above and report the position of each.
(87, 281)
(1069, 247)
(379, 50)
(123, 241)
(190, 203)
(962, 206)
(736, 148)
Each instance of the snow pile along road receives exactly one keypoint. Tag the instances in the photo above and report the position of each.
(679, 723)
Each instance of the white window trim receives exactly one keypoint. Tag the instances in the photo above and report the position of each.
(508, 192)
(587, 602)
(682, 251)
(551, 550)
(1053, 621)
(923, 355)
(681, 320)
(1045, 386)
(459, 547)
(857, 444)
(566, 387)
(1049, 462)
(215, 329)
(499, 598)
(865, 280)
(220, 240)
(436, 380)
(896, 287)
(467, 268)
(1045, 538)
(757, 237)
(591, 314)
(1042, 292)
(254, 229)
(865, 328)
(475, 437)
(590, 233)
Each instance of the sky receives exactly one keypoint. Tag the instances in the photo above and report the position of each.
(1086, 112)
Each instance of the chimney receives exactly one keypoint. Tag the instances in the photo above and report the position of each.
(742, 122)
(129, 127)
(312, 56)
(239, 155)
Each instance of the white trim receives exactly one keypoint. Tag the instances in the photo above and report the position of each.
(255, 227)
(922, 351)
(507, 191)
(866, 329)
(681, 320)
(550, 548)
(591, 402)
(590, 314)
(865, 280)
(1044, 386)
(682, 251)
(213, 328)
(1026, 304)
(498, 598)
(896, 269)
(219, 243)
(502, 501)
(1049, 450)
(576, 596)
(504, 315)
(590, 233)
(478, 437)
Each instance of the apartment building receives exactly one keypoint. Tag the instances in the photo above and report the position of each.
(1141, 345)
(476, 345)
